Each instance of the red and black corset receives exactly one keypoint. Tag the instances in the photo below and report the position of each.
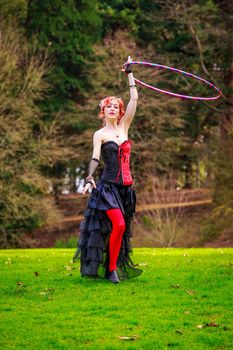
(117, 162)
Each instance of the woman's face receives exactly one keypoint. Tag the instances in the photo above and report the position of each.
(112, 109)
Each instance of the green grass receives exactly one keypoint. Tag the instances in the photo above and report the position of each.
(183, 300)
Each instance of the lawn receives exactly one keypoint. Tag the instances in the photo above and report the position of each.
(183, 300)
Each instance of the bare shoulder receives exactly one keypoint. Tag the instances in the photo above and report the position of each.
(99, 134)
(100, 131)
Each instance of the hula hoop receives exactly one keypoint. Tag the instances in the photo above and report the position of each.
(178, 71)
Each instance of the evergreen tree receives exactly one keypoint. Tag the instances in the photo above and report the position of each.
(119, 15)
(66, 30)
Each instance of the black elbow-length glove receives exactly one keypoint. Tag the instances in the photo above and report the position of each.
(94, 162)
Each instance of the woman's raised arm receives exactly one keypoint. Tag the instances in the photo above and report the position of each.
(132, 105)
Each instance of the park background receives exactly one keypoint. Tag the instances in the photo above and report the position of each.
(58, 60)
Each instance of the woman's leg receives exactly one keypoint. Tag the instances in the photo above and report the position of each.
(118, 228)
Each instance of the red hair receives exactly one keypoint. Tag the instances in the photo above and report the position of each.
(105, 102)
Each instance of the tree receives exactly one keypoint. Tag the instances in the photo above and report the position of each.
(119, 15)
(184, 35)
(14, 9)
(67, 30)
(26, 143)
(223, 196)
(185, 32)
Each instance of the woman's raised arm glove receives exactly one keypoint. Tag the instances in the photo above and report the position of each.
(127, 67)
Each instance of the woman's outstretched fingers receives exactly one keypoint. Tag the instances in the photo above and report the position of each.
(127, 65)
(129, 59)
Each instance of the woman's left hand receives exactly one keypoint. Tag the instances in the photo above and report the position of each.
(127, 66)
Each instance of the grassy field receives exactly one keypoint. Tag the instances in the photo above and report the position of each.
(183, 300)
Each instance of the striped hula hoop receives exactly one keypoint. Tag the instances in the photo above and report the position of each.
(148, 64)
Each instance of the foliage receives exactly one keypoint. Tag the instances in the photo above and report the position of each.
(85, 43)
(25, 142)
(10, 10)
(119, 15)
(67, 31)
(71, 243)
(184, 35)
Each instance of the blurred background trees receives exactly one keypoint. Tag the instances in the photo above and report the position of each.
(59, 58)
(26, 142)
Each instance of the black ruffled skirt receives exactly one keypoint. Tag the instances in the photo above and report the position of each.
(96, 227)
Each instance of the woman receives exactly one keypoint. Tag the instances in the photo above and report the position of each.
(104, 243)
